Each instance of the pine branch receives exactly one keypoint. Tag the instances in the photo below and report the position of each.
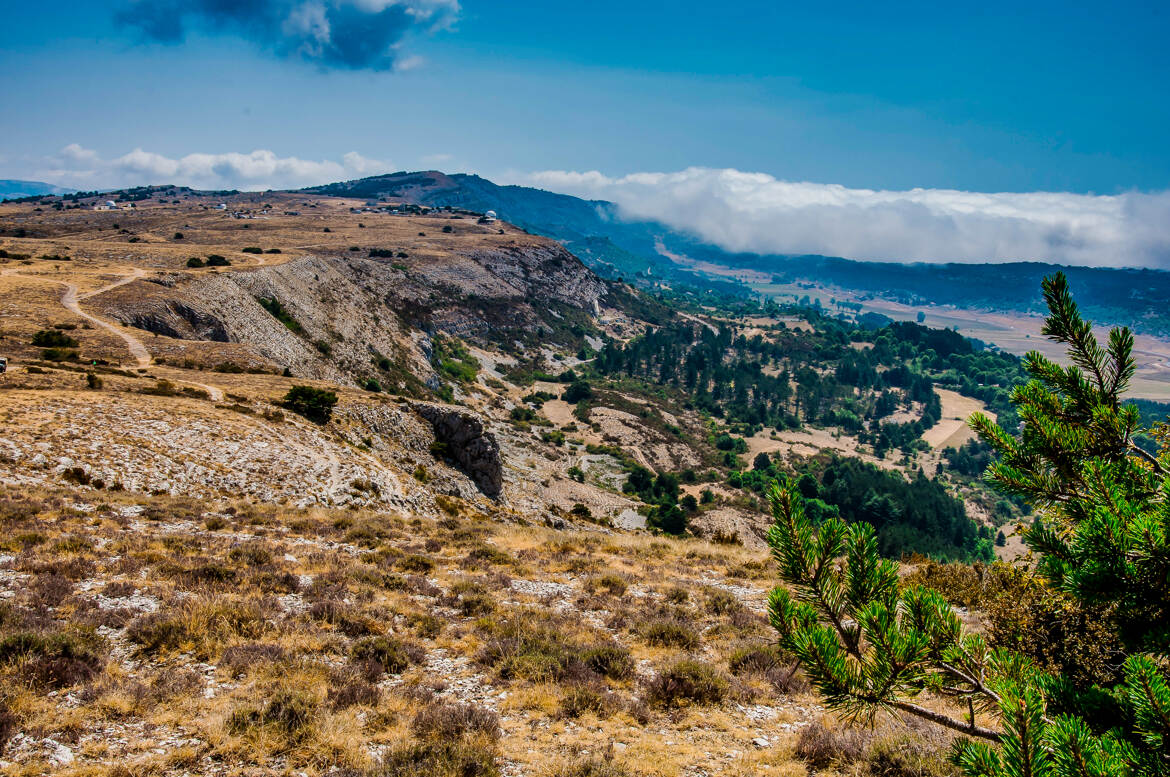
(970, 729)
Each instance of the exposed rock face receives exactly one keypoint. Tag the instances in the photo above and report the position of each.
(364, 309)
(471, 446)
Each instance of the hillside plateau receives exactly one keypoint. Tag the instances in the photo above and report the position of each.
(298, 483)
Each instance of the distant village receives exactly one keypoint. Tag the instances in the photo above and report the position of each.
(372, 206)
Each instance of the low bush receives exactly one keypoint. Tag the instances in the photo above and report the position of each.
(591, 767)
(238, 659)
(610, 660)
(203, 625)
(591, 698)
(53, 338)
(669, 632)
(288, 713)
(445, 722)
(384, 655)
(721, 602)
(687, 682)
(821, 747)
(613, 584)
(57, 660)
(313, 403)
(531, 646)
(440, 759)
(349, 687)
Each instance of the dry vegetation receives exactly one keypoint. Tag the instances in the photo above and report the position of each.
(195, 581)
(163, 636)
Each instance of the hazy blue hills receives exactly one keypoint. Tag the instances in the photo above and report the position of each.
(14, 190)
(594, 231)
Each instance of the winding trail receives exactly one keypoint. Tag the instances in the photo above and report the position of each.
(71, 301)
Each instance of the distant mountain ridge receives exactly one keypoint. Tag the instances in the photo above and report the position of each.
(594, 230)
(13, 189)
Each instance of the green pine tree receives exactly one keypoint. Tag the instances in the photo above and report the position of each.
(1102, 538)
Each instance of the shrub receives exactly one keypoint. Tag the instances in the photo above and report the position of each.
(278, 311)
(349, 688)
(532, 647)
(251, 553)
(252, 250)
(446, 722)
(52, 660)
(8, 725)
(687, 682)
(821, 747)
(237, 659)
(416, 563)
(384, 655)
(440, 759)
(195, 261)
(53, 338)
(591, 767)
(721, 602)
(215, 260)
(754, 659)
(588, 698)
(204, 625)
(313, 403)
(668, 632)
(577, 391)
(476, 604)
(612, 661)
(613, 583)
(288, 713)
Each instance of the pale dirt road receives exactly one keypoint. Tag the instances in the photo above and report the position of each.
(952, 431)
(71, 301)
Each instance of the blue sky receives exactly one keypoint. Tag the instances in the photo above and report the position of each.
(989, 97)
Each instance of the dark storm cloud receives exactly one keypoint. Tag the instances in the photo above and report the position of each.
(349, 34)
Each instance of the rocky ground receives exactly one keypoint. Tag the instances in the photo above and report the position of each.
(191, 623)
(443, 579)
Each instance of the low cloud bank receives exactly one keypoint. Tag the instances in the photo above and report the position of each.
(333, 34)
(757, 213)
(81, 168)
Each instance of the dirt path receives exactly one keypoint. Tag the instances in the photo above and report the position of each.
(135, 274)
(214, 392)
(71, 301)
(700, 321)
(952, 429)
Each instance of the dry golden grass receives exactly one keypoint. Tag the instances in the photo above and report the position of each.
(239, 646)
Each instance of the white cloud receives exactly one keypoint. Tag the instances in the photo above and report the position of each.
(83, 168)
(757, 213)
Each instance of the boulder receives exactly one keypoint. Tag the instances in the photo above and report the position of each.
(468, 444)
